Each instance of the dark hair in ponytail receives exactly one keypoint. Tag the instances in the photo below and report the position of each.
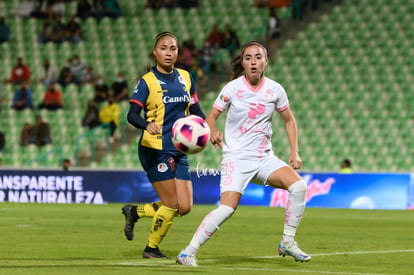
(236, 67)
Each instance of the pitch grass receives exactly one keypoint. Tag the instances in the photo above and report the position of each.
(88, 239)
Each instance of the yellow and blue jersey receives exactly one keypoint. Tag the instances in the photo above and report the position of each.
(164, 99)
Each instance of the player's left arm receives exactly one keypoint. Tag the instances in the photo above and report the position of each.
(195, 109)
(292, 132)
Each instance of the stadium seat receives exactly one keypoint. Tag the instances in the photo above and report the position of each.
(331, 82)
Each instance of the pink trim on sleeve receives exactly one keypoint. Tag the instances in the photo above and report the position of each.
(283, 108)
(215, 106)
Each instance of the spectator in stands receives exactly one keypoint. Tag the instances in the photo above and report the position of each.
(66, 164)
(77, 69)
(153, 4)
(260, 3)
(46, 33)
(231, 41)
(186, 55)
(89, 76)
(119, 88)
(22, 98)
(25, 9)
(73, 32)
(4, 31)
(58, 30)
(98, 9)
(205, 59)
(109, 114)
(56, 8)
(101, 90)
(168, 4)
(52, 99)
(39, 9)
(215, 37)
(346, 167)
(25, 134)
(20, 73)
(187, 4)
(40, 132)
(273, 25)
(65, 74)
(83, 9)
(48, 75)
(112, 9)
(91, 117)
(53, 30)
(2, 141)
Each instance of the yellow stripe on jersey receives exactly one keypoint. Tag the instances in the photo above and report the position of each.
(156, 108)
(155, 112)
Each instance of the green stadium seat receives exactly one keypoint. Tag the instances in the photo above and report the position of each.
(331, 85)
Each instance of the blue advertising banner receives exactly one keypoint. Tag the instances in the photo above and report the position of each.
(361, 191)
(358, 190)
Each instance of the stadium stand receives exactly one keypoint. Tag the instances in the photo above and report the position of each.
(348, 75)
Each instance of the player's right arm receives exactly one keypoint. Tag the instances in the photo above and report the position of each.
(216, 136)
(136, 105)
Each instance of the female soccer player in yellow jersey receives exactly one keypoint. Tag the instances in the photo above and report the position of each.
(164, 94)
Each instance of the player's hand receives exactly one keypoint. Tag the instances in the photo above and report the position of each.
(216, 138)
(153, 128)
(295, 161)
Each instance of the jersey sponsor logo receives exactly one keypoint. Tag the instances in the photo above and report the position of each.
(175, 99)
(181, 79)
(162, 167)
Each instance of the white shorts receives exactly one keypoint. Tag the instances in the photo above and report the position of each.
(236, 174)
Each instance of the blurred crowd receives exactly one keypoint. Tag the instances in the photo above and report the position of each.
(103, 108)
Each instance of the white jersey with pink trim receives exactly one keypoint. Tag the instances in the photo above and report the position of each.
(248, 129)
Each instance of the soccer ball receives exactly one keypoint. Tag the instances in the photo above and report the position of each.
(190, 134)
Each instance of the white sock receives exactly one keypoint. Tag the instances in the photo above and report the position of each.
(210, 224)
(294, 210)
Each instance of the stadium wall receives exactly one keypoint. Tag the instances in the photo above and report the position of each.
(330, 190)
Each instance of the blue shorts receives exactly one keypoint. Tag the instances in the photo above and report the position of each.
(164, 165)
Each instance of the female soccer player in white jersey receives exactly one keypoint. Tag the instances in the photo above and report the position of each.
(250, 100)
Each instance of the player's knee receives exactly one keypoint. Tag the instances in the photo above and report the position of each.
(182, 211)
(298, 187)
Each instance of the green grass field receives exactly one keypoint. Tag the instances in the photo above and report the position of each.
(88, 239)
